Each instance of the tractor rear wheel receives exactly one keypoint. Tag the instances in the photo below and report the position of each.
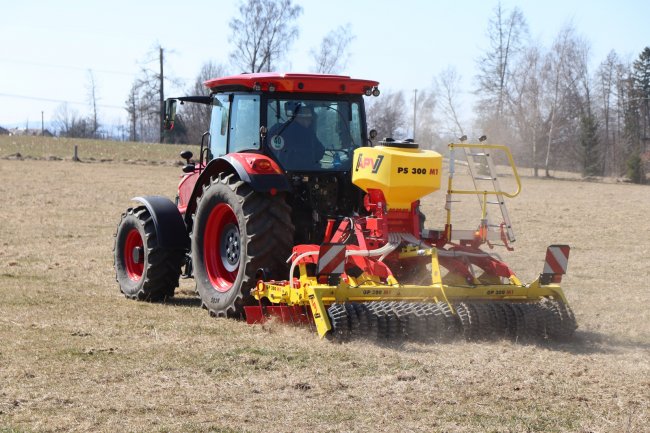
(144, 270)
(236, 232)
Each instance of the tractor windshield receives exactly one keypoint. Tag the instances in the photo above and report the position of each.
(313, 135)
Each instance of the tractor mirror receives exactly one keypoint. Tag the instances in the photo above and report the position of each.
(170, 114)
(187, 155)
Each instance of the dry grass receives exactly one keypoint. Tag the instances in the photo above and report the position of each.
(58, 148)
(77, 356)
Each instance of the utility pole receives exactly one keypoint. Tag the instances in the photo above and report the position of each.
(162, 98)
(415, 108)
(42, 123)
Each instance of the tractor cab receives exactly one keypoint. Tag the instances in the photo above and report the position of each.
(284, 133)
(301, 134)
(304, 123)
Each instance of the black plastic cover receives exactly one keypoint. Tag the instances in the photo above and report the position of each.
(170, 228)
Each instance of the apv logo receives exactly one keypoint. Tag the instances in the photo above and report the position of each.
(369, 162)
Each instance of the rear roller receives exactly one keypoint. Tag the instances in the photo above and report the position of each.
(393, 321)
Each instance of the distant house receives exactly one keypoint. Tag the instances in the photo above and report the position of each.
(4, 131)
(31, 131)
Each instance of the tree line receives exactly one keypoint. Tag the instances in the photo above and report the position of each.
(558, 112)
(261, 36)
(545, 102)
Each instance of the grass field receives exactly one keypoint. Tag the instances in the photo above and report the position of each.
(75, 355)
(45, 148)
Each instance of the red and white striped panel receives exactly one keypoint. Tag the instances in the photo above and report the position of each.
(331, 259)
(557, 259)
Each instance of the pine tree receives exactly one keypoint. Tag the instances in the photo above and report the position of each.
(637, 116)
(589, 142)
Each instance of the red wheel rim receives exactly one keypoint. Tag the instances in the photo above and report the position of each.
(134, 255)
(222, 247)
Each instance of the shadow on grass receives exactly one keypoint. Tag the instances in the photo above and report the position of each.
(183, 301)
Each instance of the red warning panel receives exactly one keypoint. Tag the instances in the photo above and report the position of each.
(331, 259)
(557, 259)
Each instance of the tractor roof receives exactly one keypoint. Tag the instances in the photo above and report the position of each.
(298, 83)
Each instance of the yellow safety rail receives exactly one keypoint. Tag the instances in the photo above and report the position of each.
(485, 193)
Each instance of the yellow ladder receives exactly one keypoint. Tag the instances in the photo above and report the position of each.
(486, 187)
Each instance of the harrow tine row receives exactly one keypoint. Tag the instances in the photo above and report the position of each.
(395, 321)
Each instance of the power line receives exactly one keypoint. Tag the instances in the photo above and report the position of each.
(61, 101)
(75, 68)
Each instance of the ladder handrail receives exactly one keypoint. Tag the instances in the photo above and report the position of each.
(511, 161)
(482, 193)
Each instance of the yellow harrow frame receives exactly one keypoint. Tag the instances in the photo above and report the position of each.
(309, 293)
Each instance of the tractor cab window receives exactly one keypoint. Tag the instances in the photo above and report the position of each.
(245, 123)
(219, 125)
(313, 135)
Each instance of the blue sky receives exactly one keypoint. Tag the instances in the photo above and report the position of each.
(48, 47)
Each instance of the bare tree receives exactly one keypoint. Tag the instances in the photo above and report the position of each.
(196, 117)
(92, 99)
(623, 72)
(333, 55)
(606, 85)
(448, 83)
(560, 79)
(507, 32)
(70, 123)
(426, 124)
(132, 111)
(145, 103)
(590, 150)
(388, 114)
(143, 109)
(63, 119)
(262, 33)
(524, 104)
(612, 84)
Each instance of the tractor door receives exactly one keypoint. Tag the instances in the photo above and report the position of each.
(219, 124)
(244, 123)
(235, 124)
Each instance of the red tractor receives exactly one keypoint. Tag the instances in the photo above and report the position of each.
(288, 212)
(273, 168)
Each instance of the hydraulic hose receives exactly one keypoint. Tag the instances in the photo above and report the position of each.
(394, 240)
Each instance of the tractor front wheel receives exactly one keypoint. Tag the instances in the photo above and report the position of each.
(144, 270)
(237, 232)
